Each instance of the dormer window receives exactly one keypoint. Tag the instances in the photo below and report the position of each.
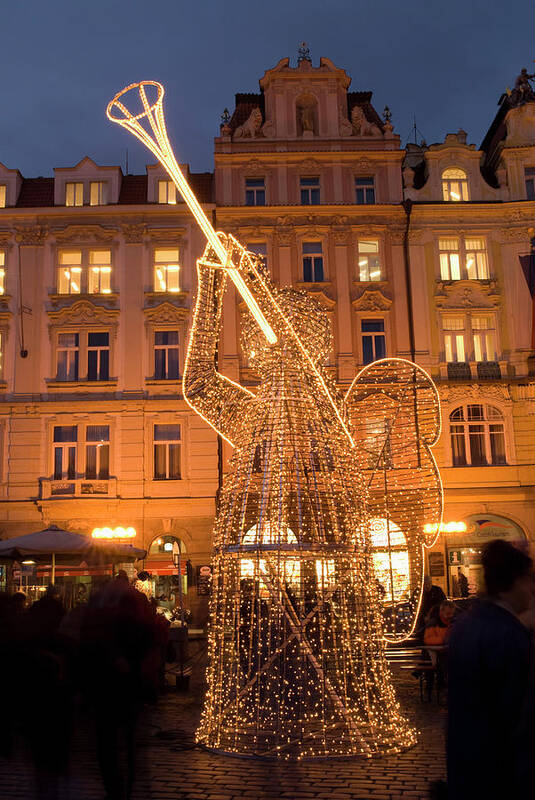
(167, 192)
(74, 194)
(3, 195)
(97, 193)
(454, 185)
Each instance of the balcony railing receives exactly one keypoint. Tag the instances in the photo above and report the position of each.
(78, 487)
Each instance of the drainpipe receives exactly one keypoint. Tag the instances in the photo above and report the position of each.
(407, 207)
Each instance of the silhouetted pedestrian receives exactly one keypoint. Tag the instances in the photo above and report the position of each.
(490, 656)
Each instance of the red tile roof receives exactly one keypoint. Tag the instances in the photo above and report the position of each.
(36, 192)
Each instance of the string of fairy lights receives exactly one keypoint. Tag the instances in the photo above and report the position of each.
(319, 535)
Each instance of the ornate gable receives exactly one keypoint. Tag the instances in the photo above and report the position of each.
(372, 300)
(84, 312)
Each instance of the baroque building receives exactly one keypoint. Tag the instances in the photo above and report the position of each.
(420, 252)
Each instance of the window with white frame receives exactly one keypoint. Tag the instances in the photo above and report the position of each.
(463, 259)
(97, 452)
(3, 195)
(529, 173)
(364, 191)
(310, 191)
(372, 339)
(74, 194)
(84, 270)
(2, 272)
(68, 356)
(166, 355)
(166, 439)
(454, 185)
(255, 192)
(369, 261)
(167, 192)
(484, 337)
(454, 339)
(312, 255)
(166, 270)
(97, 193)
(260, 250)
(477, 435)
(65, 444)
(98, 356)
(99, 274)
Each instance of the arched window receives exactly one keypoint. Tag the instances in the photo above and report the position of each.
(454, 185)
(477, 434)
(163, 546)
(390, 560)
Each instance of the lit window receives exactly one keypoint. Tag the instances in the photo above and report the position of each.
(364, 191)
(166, 452)
(2, 195)
(477, 267)
(259, 249)
(99, 276)
(166, 355)
(74, 194)
(97, 193)
(98, 356)
(477, 436)
(281, 540)
(454, 185)
(530, 182)
(373, 340)
(255, 192)
(369, 263)
(312, 262)
(310, 191)
(65, 439)
(463, 260)
(166, 270)
(70, 272)
(2, 272)
(97, 452)
(167, 192)
(454, 339)
(390, 560)
(450, 263)
(484, 337)
(67, 356)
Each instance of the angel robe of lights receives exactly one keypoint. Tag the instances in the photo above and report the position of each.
(296, 641)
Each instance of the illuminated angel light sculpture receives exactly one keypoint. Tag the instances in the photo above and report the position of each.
(325, 500)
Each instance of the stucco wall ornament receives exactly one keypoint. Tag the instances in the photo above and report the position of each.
(165, 313)
(251, 127)
(466, 393)
(372, 300)
(361, 126)
(466, 294)
(84, 233)
(31, 235)
(134, 233)
(83, 312)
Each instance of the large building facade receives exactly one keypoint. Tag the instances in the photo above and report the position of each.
(413, 252)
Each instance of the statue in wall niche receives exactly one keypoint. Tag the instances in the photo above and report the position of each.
(251, 127)
(361, 126)
(306, 114)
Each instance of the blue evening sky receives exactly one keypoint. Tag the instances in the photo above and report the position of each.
(62, 60)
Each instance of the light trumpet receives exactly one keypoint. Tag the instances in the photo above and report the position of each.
(149, 127)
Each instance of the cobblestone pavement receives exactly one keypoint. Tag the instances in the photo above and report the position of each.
(171, 767)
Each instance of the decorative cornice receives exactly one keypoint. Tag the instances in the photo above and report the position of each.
(31, 235)
(167, 235)
(84, 233)
(372, 300)
(165, 313)
(455, 393)
(255, 167)
(83, 312)
(467, 294)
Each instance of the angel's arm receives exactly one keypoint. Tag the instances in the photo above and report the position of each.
(220, 401)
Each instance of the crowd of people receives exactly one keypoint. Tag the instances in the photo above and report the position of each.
(108, 654)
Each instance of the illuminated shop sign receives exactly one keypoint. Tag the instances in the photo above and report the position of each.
(447, 527)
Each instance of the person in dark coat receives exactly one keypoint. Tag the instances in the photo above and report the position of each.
(490, 659)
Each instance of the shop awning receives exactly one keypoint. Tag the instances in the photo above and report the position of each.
(61, 544)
